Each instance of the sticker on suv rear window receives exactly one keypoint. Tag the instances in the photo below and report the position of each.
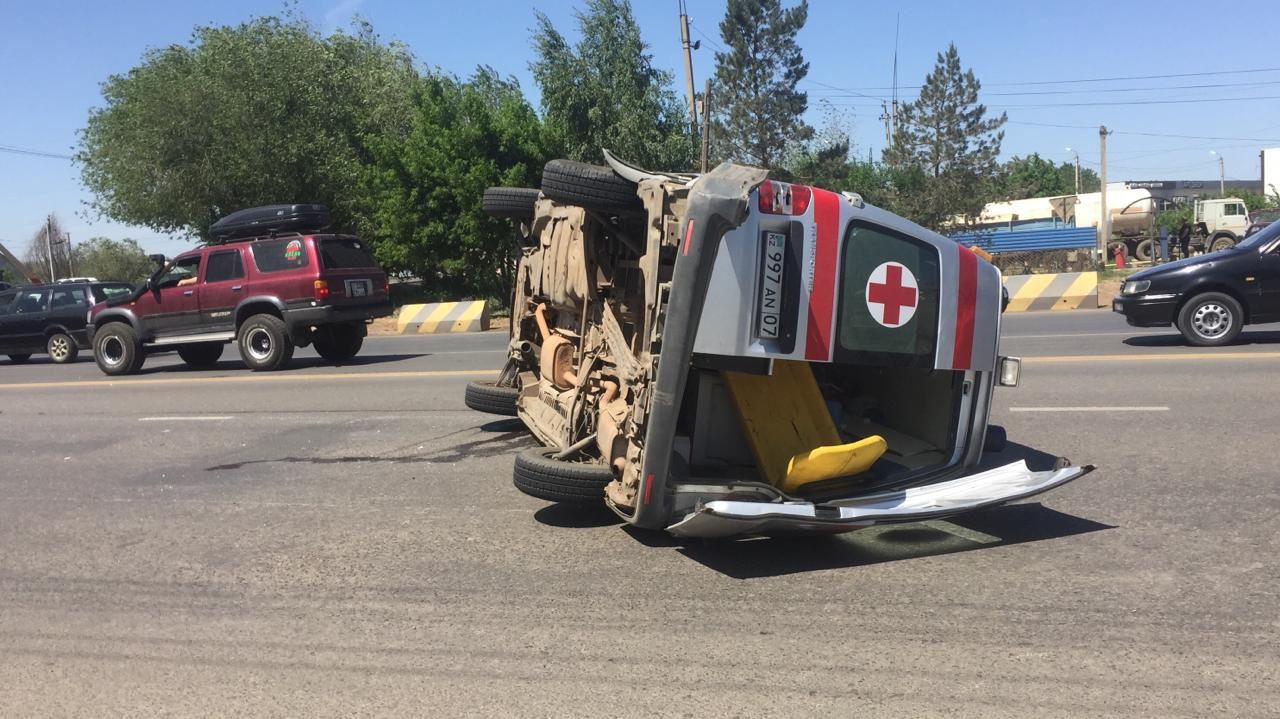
(293, 251)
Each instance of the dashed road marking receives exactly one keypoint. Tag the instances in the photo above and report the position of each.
(1088, 409)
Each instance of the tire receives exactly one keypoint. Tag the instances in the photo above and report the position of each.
(1211, 319)
(205, 354)
(487, 396)
(264, 343)
(1221, 242)
(538, 474)
(589, 186)
(510, 203)
(1144, 251)
(337, 343)
(61, 348)
(19, 358)
(117, 350)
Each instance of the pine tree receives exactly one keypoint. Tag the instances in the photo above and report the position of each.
(757, 108)
(945, 147)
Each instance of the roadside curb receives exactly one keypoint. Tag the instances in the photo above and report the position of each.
(1059, 291)
(443, 317)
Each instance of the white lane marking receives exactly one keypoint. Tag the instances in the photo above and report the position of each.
(1011, 336)
(1088, 409)
(195, 418)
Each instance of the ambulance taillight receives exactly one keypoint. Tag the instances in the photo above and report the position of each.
(782, 198)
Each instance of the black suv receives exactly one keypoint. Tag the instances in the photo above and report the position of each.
(51, 319)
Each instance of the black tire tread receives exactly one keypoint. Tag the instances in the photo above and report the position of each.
(509, 202)
(589, 186)
(1184, 316)
(538, 474)
(280, 335)
(487, 396)
(134, 356)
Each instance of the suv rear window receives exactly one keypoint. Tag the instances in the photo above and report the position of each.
(340, 253)
(279, 255)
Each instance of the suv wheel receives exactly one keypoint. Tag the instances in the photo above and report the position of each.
(205, 354)
(1211, 319)
(62, 349)
(539, 474)
(590, 186)
(337, 343)
(264, 343)
(116, 349)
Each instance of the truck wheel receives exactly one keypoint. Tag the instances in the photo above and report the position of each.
(61, 348)
(1222, 242)
(337, 343)
(510, 203)
(19, 358)
(488, 396)
(264, 343)
(205, 354)
(538, 474)
(590, 186)
(1144, 251)
(117, 350)
(1211, 319)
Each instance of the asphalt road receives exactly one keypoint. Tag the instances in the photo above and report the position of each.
(346, 542)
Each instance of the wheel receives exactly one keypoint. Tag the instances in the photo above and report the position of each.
(514, 203)
(204, 354)
(1222, 242)
(590, 186)
(61, 348)
(264, 343)
(538, 474)
(19, 359)
(337, 343)
(1211, 319)
(1144, 251)
(488, 396)
(117, 350)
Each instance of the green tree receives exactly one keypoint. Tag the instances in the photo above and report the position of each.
(1032, 176)
(758, 111)
(605, 93)
(423, 191)
(1089, 180)
(945, 147)
(112, 260)
(264, 112)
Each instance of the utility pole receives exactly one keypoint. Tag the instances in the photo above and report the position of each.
(688, 66)
(1077, 173)
(71, 268)
(1104, 220)
(48, 243)
(887, 119)
(1222, 176)
(706, 125)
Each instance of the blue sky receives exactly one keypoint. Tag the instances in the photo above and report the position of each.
(54, 54)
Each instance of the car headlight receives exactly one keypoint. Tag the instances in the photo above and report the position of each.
(1135, 287)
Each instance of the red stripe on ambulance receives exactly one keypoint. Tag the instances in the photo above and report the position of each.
(826, 216)
(966, 308)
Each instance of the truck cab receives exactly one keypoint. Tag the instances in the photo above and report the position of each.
(1223, 222)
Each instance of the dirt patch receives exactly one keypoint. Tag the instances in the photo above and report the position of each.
(1107, 290)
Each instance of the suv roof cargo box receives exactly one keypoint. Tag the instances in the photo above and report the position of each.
(272, 219)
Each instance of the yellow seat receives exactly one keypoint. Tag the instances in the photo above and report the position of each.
(790, 430)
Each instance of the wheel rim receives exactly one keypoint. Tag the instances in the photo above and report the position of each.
(1211, 320)
(59, 348)
(111, 350)
(258, 344)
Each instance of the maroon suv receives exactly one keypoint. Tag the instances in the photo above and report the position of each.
(270, 282)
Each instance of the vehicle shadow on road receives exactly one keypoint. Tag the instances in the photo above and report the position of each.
(761, 557)
(297, 364)
(1176, 340)
(569, 516)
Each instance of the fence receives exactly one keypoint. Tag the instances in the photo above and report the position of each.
(1037, 251)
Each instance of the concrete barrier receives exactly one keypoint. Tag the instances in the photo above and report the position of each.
(1061, 291)
(441, 317)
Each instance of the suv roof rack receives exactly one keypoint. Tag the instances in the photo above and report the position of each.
(269, 221)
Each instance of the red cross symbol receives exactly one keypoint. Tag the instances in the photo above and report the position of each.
(896, 293)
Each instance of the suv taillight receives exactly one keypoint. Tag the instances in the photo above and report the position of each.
(321, 290)
(781, 198)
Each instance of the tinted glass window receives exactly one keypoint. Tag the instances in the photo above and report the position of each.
(279, 255)
(69, 297)
(31, 301)
(102, 293)
(224, 266)
(183, 271)
(345, 252)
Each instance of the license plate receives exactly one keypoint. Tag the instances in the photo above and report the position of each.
(357, 288)
(769, 315)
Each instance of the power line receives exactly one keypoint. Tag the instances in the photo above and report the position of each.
(1042, 105)
(1203, 86)
(707, 37)
(1096, 79)
(34, 153)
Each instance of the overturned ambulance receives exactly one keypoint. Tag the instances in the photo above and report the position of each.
(725, 354)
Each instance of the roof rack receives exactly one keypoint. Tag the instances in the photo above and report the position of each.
(269, 221)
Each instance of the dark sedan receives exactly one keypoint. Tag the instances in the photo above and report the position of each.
(1209, 298)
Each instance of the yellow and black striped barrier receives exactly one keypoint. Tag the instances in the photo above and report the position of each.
(1060, 291)
(441, 317)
